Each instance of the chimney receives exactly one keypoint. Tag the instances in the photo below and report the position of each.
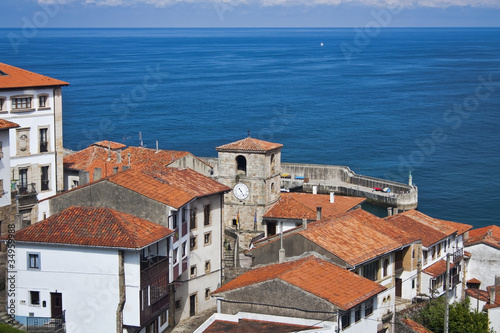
(118, 156)
(332, 197)
(389, 211)
(156, 145)
(304, 223)
(497, 280)
(492, 294)
(318, 213)
(315, 189)
(109, 151)
(129, 159)
(281, 252)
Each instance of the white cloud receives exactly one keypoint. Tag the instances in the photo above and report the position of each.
(234, 3)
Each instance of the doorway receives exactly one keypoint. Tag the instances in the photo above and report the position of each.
(56, 309)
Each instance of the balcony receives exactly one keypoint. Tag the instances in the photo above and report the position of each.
(153, 267)
(155, 309)
(46, 325)
(458, 255)
(23, 189)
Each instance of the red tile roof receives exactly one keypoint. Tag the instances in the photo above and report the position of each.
(437, 269)
(474, 280)
(487, 235)
(303, 205)
(19, 78)
(415, 327)
(323, 279)
(249, 145)
(98, 155)
(5, 124)
(355, 236)
(496, 302)
(110, 144)
(256, 326)
(426, 228)
(480, 294)
(95, 227)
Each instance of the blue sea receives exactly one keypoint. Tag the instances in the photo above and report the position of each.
(382, 102)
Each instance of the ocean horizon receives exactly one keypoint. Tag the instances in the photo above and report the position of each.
(383, 102)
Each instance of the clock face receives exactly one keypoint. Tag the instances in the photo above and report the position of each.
(241, 191)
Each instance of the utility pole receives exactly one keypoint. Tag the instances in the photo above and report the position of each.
(447, 287)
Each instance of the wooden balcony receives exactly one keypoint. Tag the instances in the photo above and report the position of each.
(155, 309)
(458, 255)
(153, 267)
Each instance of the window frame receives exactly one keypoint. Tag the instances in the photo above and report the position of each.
(21, 100)
(38, 261)
(46, 104)
(346, 319)
(193, 271)
(41, 143)
(208, 267)
(209, 242)
(193, 245)
(34, 292)
(369, 307)
(207, 216)
(43, 181)
(371, 268)
(3, 104)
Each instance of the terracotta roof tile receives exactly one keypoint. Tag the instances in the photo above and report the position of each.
(152, 187)
(19, 78)
(496, 302)
(426, 228)
(480, 294)
(474, 280)
(437, 269)
(488, 235)
(303, 205)
(5, 124)
(352, 236)
(325, 280)
(257, 326)
(110, 144)
(97, 155)
(415, 327)
(249, 145)
(96, 227)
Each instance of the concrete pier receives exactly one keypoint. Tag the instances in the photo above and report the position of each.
(342, 180)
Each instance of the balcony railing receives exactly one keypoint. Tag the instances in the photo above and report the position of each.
(458, 254)
(153, 267)
(154, 309)
(47, 325)
(24, 189)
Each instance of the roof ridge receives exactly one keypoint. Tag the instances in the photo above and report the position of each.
(123, 224)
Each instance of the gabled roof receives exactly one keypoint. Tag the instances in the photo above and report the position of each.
(254, 326)
(414, 326)
(474, 280)
(303, 206)
(14, 77)
(249, 145)
(488, 235)
(5, 124)
(484, 296)
(192, 182)
(426, 228)
(438, 268)
(336, 285)
(355, 236)
(97, 155)
(94, 227)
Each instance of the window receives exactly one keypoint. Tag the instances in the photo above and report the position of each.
(368, 307)
(370, 271)
(413, 284)
(192, 219)
(386, 266)
(192, 243)
(2, 104)
(34, 298)
(163, 318)
(174, 220)
(76, 183)
(272, 164)
(44, 144)
(346, 319)
(1, 188)
(184, 250)
(206, 215)
(42, 101)
(34, 261)
(207, 267)
(158, 289)
(21, 103)
(438, 249)
(44, 176)
(424, 254)
(192, 271)
(23, 180)
(208, 238)
(178, 303)
(357, 313)
(207, 293)
(241, 165)
(175, 255)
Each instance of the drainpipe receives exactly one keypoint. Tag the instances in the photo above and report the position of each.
(121, 286)
(281, 255)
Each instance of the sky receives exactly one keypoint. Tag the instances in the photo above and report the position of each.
(248, 13)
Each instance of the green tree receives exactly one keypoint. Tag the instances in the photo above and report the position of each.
(461, 319)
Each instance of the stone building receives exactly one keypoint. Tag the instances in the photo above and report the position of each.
(251, 168)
